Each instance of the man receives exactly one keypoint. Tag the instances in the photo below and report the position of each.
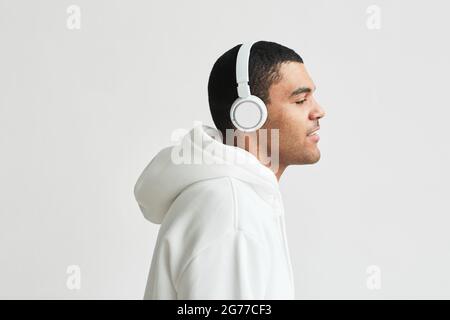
(222, 233)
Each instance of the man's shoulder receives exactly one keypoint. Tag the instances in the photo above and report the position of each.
(212, 189)
(216, 206)
(227, 203)
(203, 206)
(208, 210)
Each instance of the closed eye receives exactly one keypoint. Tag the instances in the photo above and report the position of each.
(301, 101)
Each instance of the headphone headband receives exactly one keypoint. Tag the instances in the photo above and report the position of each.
(242, 61)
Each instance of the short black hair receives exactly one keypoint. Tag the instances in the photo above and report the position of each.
(264, 65)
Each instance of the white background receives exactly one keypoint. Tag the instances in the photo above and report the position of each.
(82, 112)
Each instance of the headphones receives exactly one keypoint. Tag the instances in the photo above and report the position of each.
(248, 112)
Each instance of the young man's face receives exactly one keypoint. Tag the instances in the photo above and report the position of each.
(294, 111)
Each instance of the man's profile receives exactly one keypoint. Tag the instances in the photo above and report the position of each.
(216, 194)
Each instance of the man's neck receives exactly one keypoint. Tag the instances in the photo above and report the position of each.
(265, 160)
(280, 171)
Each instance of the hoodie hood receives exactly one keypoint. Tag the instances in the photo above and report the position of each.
(200, 155)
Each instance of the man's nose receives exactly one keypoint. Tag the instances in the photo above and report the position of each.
(318, 112)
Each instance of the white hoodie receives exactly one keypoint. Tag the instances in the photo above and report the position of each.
(222, 233)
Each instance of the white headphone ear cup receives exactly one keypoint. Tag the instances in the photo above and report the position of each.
(248, 114)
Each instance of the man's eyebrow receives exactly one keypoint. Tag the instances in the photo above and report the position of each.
(300, 91)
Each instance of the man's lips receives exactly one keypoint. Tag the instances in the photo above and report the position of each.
(314, 135)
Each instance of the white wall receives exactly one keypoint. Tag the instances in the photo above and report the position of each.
(83, 111)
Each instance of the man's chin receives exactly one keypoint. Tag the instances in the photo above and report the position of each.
(308, 156)
(313, 157)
